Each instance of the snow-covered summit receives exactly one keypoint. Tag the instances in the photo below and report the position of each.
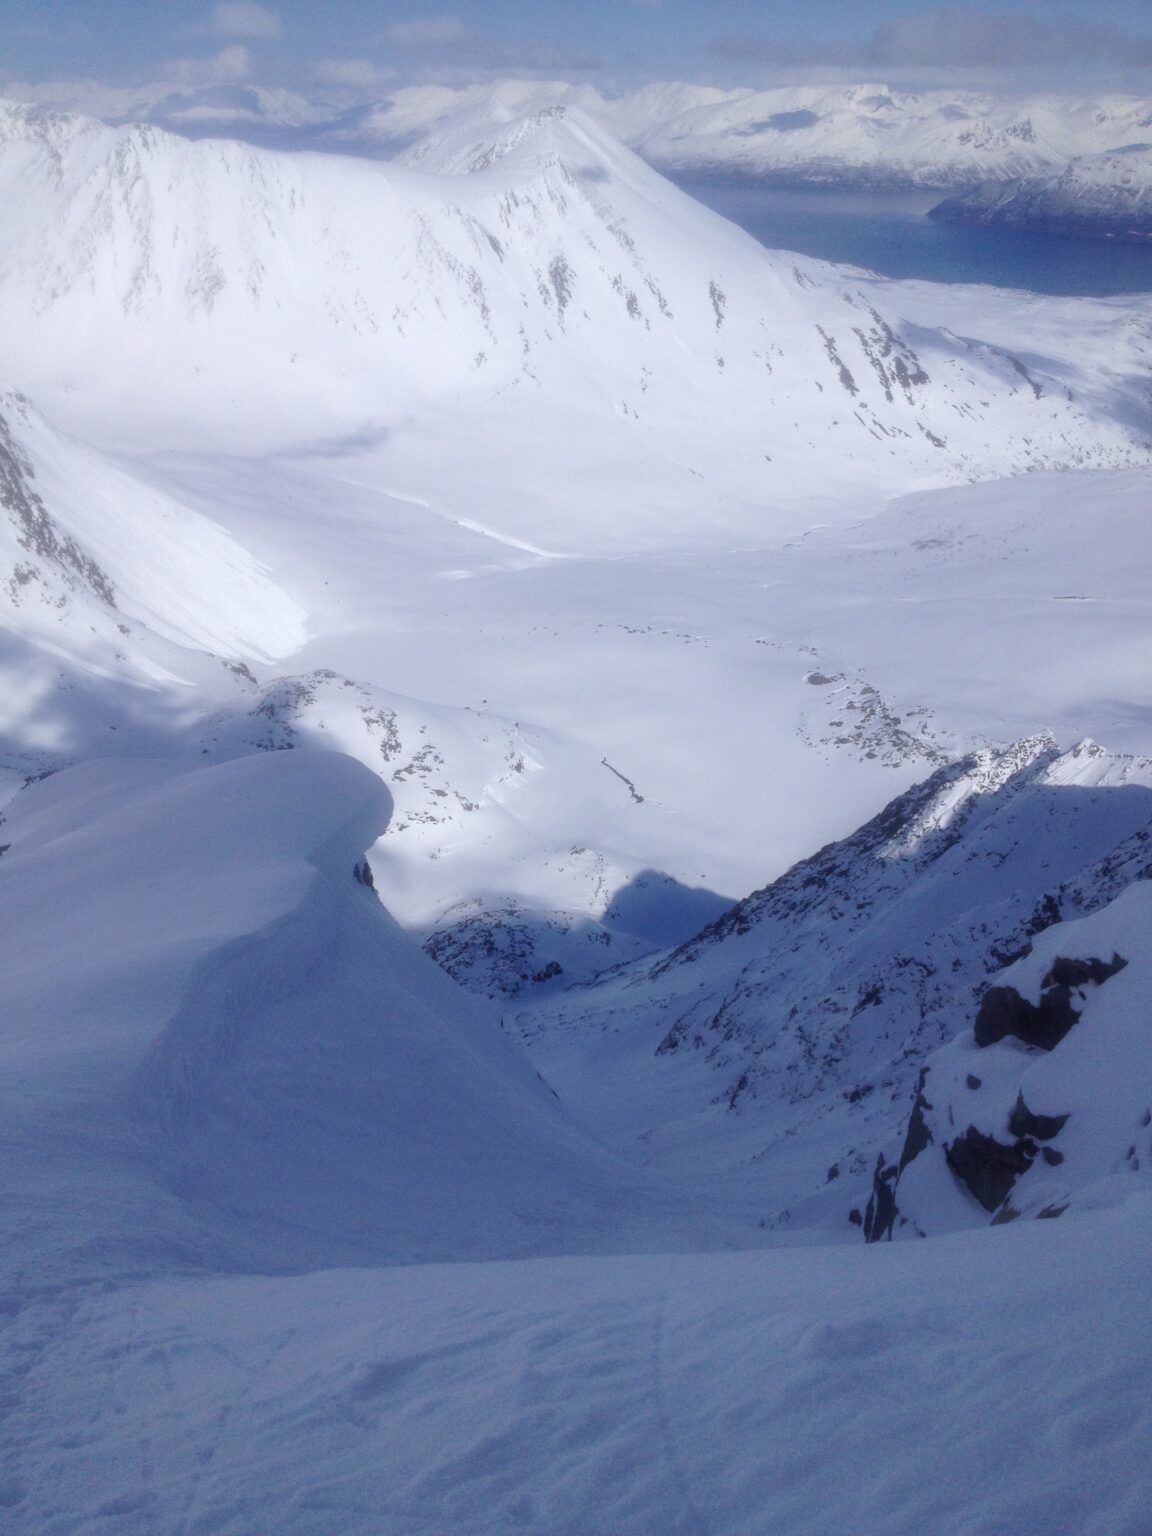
(279, 301)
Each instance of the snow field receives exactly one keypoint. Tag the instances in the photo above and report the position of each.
(972, 1387)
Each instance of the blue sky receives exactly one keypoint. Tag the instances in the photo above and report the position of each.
(363, 46)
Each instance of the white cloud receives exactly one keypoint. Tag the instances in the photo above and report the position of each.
(244, 18)
(231, 63)
(358, 74)
(430, 32)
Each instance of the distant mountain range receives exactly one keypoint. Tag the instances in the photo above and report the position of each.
(856, 135)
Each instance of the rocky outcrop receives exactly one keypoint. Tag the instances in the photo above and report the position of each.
(1058, 1102)
(1004, 1012)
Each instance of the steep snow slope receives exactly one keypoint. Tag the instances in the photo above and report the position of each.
(219, 1050)
(85, 547)
(564, 295)
(777, 1041)
(1104, 195)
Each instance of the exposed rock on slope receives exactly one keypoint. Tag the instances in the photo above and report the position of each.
(1047, 1103)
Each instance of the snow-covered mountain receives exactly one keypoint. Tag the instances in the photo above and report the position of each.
(871, 135)
(1102, 195)
(336, 305)
(637, 563)
(859, 134)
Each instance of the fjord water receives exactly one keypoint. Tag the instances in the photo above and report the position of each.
(891, 233)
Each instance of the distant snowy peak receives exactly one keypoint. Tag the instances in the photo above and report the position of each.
(314, 299)
(869, 134)
(863, 133)
(1103, 195)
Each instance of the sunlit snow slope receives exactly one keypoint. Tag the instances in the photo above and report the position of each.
(157, 291)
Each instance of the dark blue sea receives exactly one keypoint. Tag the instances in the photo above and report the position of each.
(891, 233)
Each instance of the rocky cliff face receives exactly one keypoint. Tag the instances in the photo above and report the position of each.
(1046, 1102)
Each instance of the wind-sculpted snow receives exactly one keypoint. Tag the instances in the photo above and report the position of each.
(781, 1037)
(219, 1044)
(326, 303)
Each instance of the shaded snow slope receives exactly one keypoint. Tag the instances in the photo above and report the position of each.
(564, 295)
(218, 1049)
(778, 1041)
(991, 1383)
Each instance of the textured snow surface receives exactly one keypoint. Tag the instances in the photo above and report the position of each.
(979, 1386)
